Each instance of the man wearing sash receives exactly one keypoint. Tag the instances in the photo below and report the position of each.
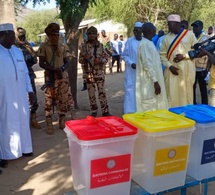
(180, 70)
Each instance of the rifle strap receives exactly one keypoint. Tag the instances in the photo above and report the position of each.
(94, 51)
(53, 59)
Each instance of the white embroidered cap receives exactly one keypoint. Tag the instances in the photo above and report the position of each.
(138, 24)
(6, 26)
(174, 18)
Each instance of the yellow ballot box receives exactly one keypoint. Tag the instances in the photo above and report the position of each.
(161, 150)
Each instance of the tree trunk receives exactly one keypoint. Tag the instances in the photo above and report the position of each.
(7, 11)
(71, 25)
(72, 37)
(73, 68)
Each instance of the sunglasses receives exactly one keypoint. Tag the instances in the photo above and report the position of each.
(137, 29)
(92, 33)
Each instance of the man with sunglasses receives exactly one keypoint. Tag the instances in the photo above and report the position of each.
(129, 55)
(94, 57)
(54, 58)
(30, 59)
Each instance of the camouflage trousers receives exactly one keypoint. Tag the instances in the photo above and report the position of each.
(59, 96)
(34, 106)
(91, 87)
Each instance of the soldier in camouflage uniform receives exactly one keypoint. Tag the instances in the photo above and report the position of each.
(54, 58)
(30, 59)
(93, 57)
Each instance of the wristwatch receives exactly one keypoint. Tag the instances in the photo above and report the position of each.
(62, 68)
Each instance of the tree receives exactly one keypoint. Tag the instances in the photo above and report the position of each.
(71, 12)
(205, 13)
(36, 22)
(155, 11)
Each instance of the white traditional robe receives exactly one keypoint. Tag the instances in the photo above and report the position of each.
(129, 55)
(149, 70)
(15, 135)
(179, 87)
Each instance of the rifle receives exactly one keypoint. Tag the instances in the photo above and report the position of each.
(50, 81)
(88, 60)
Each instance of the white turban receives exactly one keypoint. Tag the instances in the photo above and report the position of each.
(174, 18)
(6, 26)
(138, 24)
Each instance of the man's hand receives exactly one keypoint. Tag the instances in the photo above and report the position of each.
(202, 53)
(173, 70)
(157, 88)
(97, 61)
(178, 58)
(58, 73)
(31, 97)
(87, 56)
(133, 65)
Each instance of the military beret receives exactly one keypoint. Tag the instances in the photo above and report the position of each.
(92, 29)
(52, 28)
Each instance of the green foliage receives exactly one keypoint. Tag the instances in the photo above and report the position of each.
(37, 22)
(34, 2)
(205, 13)
(155, 11)
(69, 8)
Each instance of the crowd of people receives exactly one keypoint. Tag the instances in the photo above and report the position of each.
(159, 73)
(147, 86)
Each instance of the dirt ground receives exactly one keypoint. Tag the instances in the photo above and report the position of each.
(48, 172)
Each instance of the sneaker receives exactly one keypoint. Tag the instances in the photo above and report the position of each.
(94, 114)
(106, 114)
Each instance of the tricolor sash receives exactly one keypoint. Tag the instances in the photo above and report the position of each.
(175, 42)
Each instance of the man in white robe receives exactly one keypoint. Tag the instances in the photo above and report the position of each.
(15, 135)
(129, 55)
(150, 88)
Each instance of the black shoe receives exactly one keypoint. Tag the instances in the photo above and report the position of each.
(3, 163)
(84, 87)
(28, 154)
(0, 172)
(94, 114)
(106, 114)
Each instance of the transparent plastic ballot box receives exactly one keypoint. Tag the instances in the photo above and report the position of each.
(201, 164)
(101, 153)
(161, 149)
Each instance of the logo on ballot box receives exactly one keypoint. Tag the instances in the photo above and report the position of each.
(208, 152)
(111, 170)
(170, 160)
